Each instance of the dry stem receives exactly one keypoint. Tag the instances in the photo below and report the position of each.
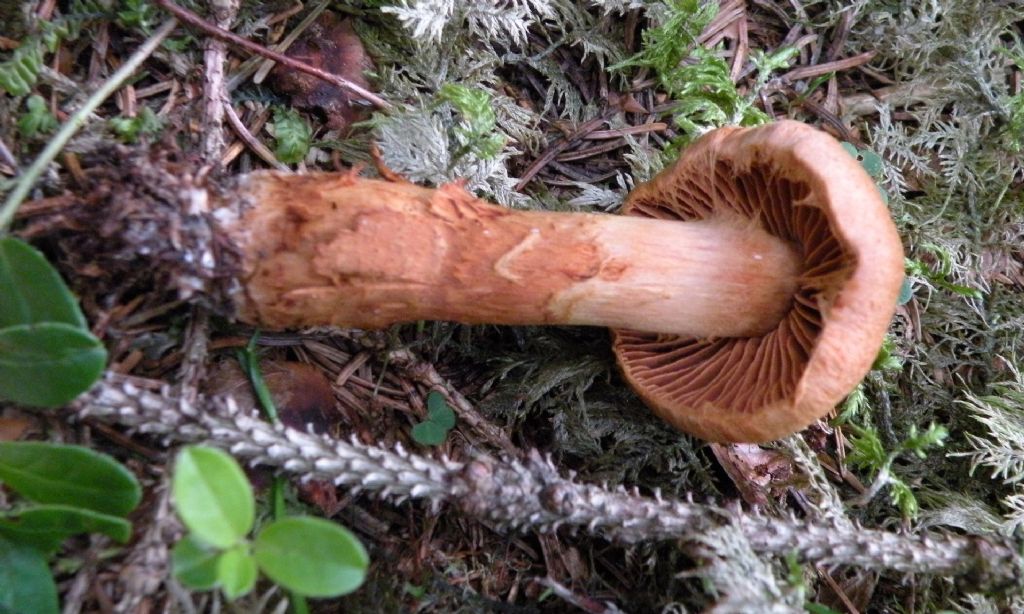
(514, 494)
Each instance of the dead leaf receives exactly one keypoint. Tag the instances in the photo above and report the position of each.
(14, 426)
(304, 399)
(759, 474)
(302, 394)
(332, 45)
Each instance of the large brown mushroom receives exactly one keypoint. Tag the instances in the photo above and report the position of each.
(761, 300)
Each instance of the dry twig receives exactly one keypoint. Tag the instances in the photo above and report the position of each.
(514, 494)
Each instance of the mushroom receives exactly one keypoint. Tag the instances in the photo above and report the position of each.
(763, 288)
(802, 187)
(745, 315)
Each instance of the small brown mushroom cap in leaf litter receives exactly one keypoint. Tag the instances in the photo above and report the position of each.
(800, 185)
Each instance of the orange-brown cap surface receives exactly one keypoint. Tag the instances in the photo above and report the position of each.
(799, 184)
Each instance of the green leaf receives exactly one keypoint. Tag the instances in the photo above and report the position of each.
(37, 119)
(236, 572)
(429, 433)
(817, 608)
(311, 556)
(958, 289)
(195, 563)
(906, 292)
(871, 162)
(438, 410)
(19, 73)
(129, 129)
(213, 496)
(76, 476)
(478, 129)
(292, 134)
(440, 420)
(249, 359)
(31, 290)
(48, 364)
(25, 581)
(47, 526)
(903, 498)
(917, 442)
(887, 360)
(868, 451)
(850, 148)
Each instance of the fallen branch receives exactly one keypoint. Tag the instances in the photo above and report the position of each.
(514, 494)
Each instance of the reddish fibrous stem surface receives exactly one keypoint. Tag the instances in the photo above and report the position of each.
(336, 249)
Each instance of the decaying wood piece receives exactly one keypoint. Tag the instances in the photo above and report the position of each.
(337, 249)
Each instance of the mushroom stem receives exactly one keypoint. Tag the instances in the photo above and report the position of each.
(337, 249)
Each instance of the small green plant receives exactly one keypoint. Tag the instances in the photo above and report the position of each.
(309, 556)
(139, 14)
(47, 354)
(19, 72)
(1015, 105)
(440, 419)
(869, 454)
(67, 490)
(129, 129)
(37, 119)
(939, 276)
(696, 78)
(477, 132)
(292, 135)
(887, 360)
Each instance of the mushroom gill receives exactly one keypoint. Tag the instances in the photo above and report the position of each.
(705, 385)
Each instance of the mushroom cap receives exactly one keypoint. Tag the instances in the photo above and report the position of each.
(800, 185)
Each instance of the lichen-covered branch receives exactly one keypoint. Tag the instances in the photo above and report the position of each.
(515, 494)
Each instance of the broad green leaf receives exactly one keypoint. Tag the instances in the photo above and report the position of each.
(25, 581)
(906, 292)
(438, 411)
(850, 148)
(236, 571)
(871, 162)
(31, 291)
(47, 526)
(429, 433)
(76, 476)
(440, 420)
(213, 497)
(195, 563)
(48, 364)
(311, 556)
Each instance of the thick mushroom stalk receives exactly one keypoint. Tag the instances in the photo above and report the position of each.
(338, 249)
